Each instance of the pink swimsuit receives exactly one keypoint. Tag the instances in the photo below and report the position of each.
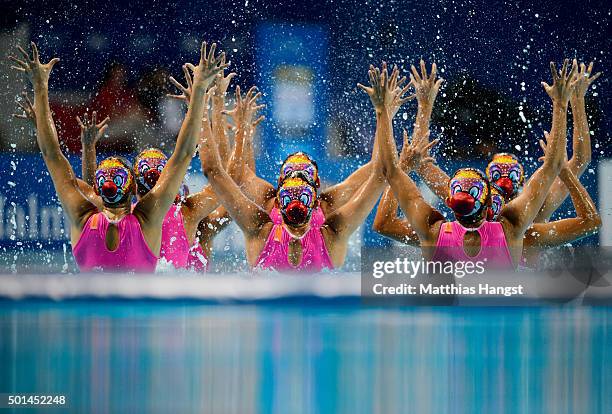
(315, 256)
(175, 244)
(494, 247)
(131, 255)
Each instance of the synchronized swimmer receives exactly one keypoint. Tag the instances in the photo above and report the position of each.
(126, 217)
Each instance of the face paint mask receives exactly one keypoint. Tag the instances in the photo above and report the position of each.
(296, 199)
(507, 172)
(149, 165)
(114, 181)
(299, 162)
(468, 194)
(497, 203)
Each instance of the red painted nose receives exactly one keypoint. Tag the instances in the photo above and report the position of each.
(462, 203)
(296, 212)
(506, 185)
(109, 189)
(151, 177)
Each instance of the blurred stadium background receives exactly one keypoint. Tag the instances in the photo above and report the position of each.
(306, 57)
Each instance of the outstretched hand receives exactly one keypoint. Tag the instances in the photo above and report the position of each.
(91, 132)
(415, 153)
(222, 82)
(563, 82)
(37, 73)
(584, 79)
(208, 67)
(29, 113)
(246, 109)
(426, 86)
(386, 92)
(185, 90)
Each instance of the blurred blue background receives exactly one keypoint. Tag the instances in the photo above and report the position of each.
(306, 57)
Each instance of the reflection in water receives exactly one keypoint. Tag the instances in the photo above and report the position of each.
(118, 357)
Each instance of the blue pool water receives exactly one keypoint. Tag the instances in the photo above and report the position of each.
(183, 357)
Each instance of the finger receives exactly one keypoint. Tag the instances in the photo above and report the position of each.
(590, 69)
(582, 68)
(258, 121)
(24, 53)
(546, 86)
(80, 122)
(595, 76)
(553, 71)
(543, 146)
(19, 62)
(573, 70)
(365, 88)
(211, 53)
(434, 71)
(432, 144)
(52, 62)
(180, 97)
(190, 66)
(406, 139)
(415, 73)
(20, 69)
(104, 122)
(230, 77)
(407, 98)
(541, 159)
(177, 84)
(202, 52)
(35, 56)
(93, 117)
(187, 77)
(20, 116)
(423, 69)
(102, 130)
(401, 81)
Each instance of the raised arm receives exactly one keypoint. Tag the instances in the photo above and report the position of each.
(249, 216)
(557, 233)
(581, 141)
(91, 132)
(339, 194)
(76, 206)
(387, 222)
(519, 214)
(217, 119)
(153, 206)
(426, 89)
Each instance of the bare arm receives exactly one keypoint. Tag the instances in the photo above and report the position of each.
(519, 214)
(91, 132)
(249, 216)
(337, 195)
(218, 121)
(414, 153)
(389, 224)
(557, 233)
(581, 142)
(153, 206)
(76, 206)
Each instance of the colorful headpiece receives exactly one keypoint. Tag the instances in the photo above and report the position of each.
(114, 180)
(296, 198)
(507, 172)
(498, 201)
(469, 193)
(149, 165)
(300, 161)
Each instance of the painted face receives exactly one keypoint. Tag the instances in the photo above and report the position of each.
(468, 193)
(114, 181)
(498, 202)
(507, 172)
(296, 199)
(149, 165)
(299, 162)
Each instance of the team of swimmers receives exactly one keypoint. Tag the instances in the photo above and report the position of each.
(127, 217)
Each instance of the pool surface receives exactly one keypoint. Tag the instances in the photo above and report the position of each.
(184, 357)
